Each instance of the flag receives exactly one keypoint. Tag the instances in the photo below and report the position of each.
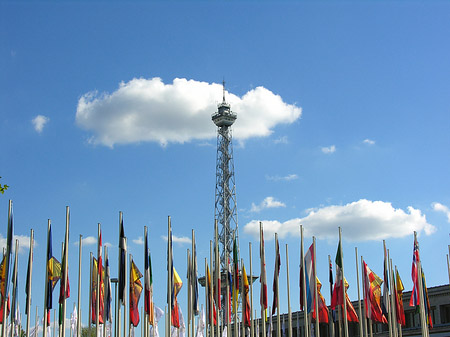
(148, 281)
(194, 279)
(122, 260)
(2, 285)
(73, 322)
(135, 293)
(276, 273)
(330, 279)
(14, 287)
(385, 305)
(246, 303)
(230, 286)
(212, 316)
(28, 282)
(50, 271)
(94, 295)
(426, 301)
(337, 297)
(372, 294)
(262, 279)
(63, 294)
(9, 240)
(352, 316)
(414, 301)
(200, 332)
(323, 309)
(107, 291)
(236, 276)
(177, 284)
(309, 280)
(399, 300)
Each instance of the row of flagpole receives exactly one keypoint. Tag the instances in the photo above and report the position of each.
(373, 308)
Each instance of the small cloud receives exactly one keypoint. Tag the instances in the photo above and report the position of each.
(87, 241)
(180, 240)
(39, 122)
(281, 140)
(329, 149)
(139, 241)
(289, 177)
(24, 243)
(438, 207)
(362, 220)
(268, 202)
(369, 141)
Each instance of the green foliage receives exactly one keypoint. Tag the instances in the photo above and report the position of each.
(88, 331)
(3, 188)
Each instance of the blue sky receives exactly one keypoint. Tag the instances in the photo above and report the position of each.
(343, 115)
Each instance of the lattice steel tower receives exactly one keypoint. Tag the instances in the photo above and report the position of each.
(225, 200)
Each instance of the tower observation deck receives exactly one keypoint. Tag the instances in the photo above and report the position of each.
(225, 211)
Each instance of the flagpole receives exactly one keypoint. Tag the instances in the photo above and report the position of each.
(263, 274)
(288, 294)
(194, 270)
(189, 311)
(206, 297)
(79, 287)
(332, 332)
(54, 322)
(8, 253)
(235, 290)
(278, 294)
(105, 299)
(36, 323)
(29, 278)
(344, 291)
(366, 333)
(316, 296)
(99, 268)
(252, 330)
(359, 296)
(386, 289)
(211, 299)
(218, 276)
(14, 291)
(129, 306)
(305, 304)
(393, 308)
(124, 297)
(400, 333)
(91, 265)
(169, 274)
(243, 299)
(66, 265)
(423, 320)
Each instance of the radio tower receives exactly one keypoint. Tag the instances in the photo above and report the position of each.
(225, 199)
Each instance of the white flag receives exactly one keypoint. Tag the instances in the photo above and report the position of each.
(224, 333)
(201, 324)
(73, 322)
(182, 325)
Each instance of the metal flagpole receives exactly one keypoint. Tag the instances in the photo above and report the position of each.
(79, 287)
(423, 319)
(344, 291)
(316, 296)
(305, 304)
(366, 333)
(125, 315)
(14, 290)
(169, 276)
(288, 295)
(66, 265)
(189, 294)
(29, 278)
(262, 275)
(359, 296)
(400, 333)
(90, 289)
(393, 308)
(252, 330)
(217, 275)
(387, 305)
(278, 291)
(105, 300)
(97, 300)
(36, 323)
(8, 253)
(194, 271)
(118, 317)
(332, 332)
(211, 299)
(54, 322)
(242, 300)
(206, 298)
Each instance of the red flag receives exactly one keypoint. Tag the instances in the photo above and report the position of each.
(323, 309)
(415, 275)
(211, 313)
(372, 295)
(399, 300)
(246, 312)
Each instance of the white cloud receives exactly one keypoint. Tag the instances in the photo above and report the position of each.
(369, 141)
(147, 110)
(438, 207)
(268, 202)
(39, 122)
(139, 241)
(289, 177)
(24, 243)
(178, 239)
(329, 149)
(281, 140)
(363, 220)
(87, 241)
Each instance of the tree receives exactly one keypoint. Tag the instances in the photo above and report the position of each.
(88, 331)
(3, 188)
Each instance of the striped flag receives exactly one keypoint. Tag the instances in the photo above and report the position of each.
(414, 301)
(338, 298)
(309, 280)
(372, 294)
